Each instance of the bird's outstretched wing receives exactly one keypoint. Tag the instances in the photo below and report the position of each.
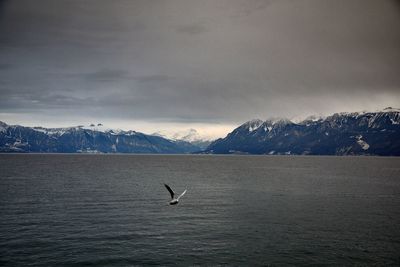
(170, 191)
(181, 194)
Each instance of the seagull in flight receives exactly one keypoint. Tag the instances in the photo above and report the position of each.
(174, 200)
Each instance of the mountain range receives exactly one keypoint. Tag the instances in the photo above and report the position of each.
(91, 139)
(357, 133)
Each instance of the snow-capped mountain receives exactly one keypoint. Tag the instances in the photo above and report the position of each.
(190, 135)
(85, 139)
(355, 133)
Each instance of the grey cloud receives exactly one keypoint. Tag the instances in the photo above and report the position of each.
(117, 75)
(6, 66)
(194, 28)
(49, 102)
(249, 7)
(106, 75)
(153, 78)
(226, 61)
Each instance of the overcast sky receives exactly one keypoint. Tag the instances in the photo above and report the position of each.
(153, 65)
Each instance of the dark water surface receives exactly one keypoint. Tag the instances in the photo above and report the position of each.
(112, 210)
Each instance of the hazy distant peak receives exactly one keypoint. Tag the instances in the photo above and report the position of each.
(188, 135)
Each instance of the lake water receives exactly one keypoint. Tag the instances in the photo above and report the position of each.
(112, 210)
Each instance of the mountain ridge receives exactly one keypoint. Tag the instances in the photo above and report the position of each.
(345, 133)
(86, 139)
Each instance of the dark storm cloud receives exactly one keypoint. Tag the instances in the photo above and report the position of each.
(179, 60)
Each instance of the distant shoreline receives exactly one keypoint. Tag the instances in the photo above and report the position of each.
(194, 154)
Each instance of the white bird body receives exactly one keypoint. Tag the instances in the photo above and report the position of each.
(174, 200)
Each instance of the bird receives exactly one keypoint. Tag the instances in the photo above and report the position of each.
(174, 200)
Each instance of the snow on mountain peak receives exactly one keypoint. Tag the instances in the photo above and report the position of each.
(278, 121)
(267, 125)
(253, 124)
(101, 128)
(314, 118)
(92, 127)
(188, 135)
